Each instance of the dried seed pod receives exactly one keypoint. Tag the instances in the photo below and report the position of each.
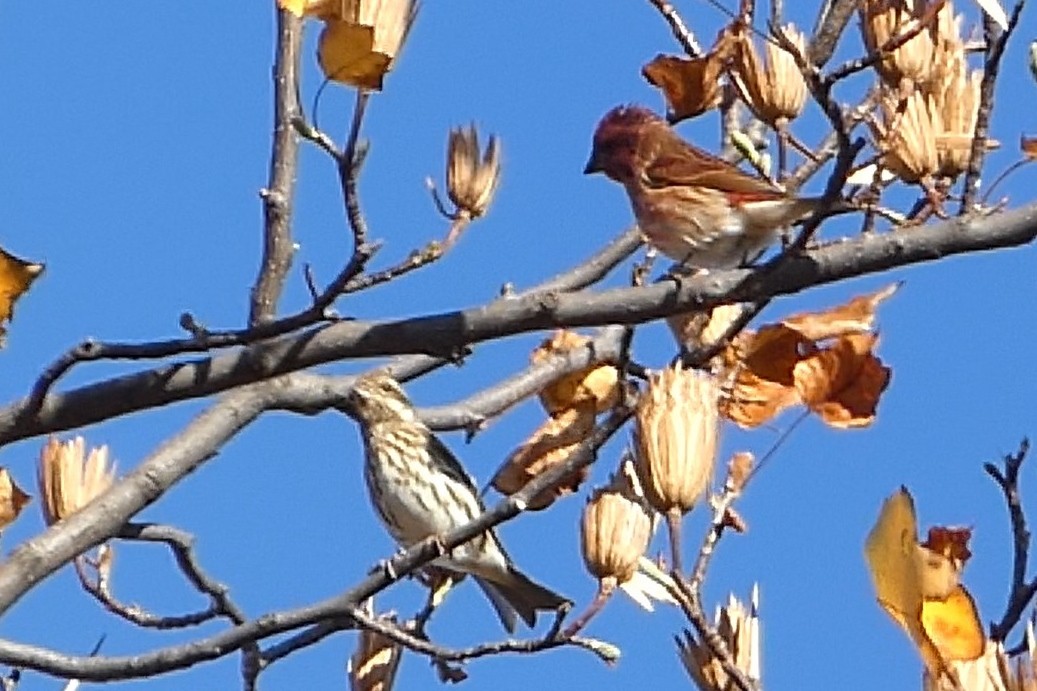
(910, 64)
(908, 137)
(774, 86)
(677, 426)
(373, 665)
(956, 104)
(616, 528)
(69, 478)
(471, 182)
(738, 626)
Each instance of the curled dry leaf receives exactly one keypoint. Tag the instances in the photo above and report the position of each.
(854, 317)
(823, 360)
(843, 383)
(550, 445)
(12, 499)
(598, 385)
(691, 86)
(944, 628)
(952, 542)
(760, 364)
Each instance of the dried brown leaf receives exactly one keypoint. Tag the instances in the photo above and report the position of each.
(843, 383)
(550, 445)
(691, 86)
(855, 316)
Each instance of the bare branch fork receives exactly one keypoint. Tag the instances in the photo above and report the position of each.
(1022, 591)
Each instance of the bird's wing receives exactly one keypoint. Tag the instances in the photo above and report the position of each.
(690, 166)
(451, 466)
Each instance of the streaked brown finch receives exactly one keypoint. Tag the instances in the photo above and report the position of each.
(420, 490)
(690, 205)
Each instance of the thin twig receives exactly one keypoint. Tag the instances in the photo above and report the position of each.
(201, 341)
(991, 66)
(133, 613)
(680, 30)
(906, 32)
(689, 591)
(349, 166)
(416, 260)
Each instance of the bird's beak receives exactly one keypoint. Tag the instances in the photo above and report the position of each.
(593, 165)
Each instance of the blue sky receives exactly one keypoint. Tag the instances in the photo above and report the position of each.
(135, 139)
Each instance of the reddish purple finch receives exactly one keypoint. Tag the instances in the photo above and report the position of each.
(420, 490)
(690, 205)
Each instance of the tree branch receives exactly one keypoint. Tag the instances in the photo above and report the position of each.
(447, 334)
(278, 196)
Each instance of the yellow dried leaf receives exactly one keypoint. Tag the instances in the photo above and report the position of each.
(953, 625)
(346, 54)
(12, 499)
(891, 550)
(944, 628)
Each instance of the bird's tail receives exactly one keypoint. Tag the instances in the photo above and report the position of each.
(515, 593)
